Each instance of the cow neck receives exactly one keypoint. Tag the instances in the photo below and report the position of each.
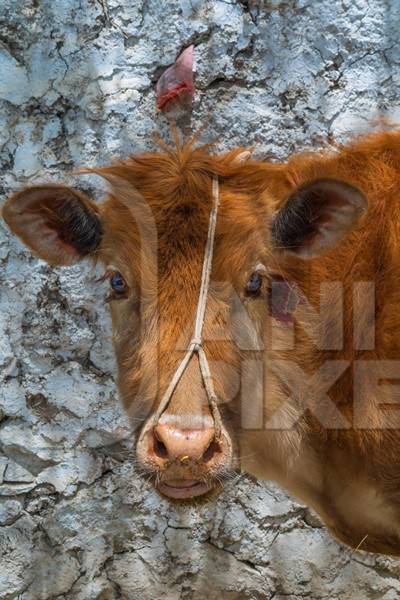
(196, 344)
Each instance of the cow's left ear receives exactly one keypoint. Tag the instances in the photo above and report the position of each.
(59, 224)
(316, 217)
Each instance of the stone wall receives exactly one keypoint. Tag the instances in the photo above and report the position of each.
(77, 88)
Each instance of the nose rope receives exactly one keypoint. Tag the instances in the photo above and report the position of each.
(196, 343)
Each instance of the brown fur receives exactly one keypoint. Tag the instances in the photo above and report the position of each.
(351, 476)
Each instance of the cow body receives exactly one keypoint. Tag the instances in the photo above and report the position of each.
(305, 376)
(348, 470)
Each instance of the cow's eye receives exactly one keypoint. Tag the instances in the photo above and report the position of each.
(118, 284)
(254, 284)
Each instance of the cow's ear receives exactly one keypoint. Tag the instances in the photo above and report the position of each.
(316, 217)
(58, 224)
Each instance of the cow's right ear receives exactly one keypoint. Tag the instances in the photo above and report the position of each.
(59, 224)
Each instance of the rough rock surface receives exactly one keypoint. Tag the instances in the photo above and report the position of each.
(77, 88)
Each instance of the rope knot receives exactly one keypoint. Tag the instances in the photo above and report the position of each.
(195, 344)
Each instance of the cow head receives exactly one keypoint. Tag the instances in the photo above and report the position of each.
(150, 236)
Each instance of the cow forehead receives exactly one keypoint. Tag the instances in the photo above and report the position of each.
(174, 189)
(179, 235)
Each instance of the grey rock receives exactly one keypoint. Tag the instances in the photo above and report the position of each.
(77, 88)
(9, 511)
(3, 466)
(15, 473)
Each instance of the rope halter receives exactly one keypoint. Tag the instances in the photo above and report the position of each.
(196, 343)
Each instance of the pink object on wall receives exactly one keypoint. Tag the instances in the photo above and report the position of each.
(176, 85)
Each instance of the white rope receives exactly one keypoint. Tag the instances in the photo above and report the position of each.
(196, 343)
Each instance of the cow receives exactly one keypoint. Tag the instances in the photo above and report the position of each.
(255, 315)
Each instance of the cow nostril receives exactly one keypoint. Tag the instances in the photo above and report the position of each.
(211, 451)
(159, 447)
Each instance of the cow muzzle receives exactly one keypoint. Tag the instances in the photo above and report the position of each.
(186, 463)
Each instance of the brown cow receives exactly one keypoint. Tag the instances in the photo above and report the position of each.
(301, 327)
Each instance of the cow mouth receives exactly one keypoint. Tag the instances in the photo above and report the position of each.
(182, 489)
